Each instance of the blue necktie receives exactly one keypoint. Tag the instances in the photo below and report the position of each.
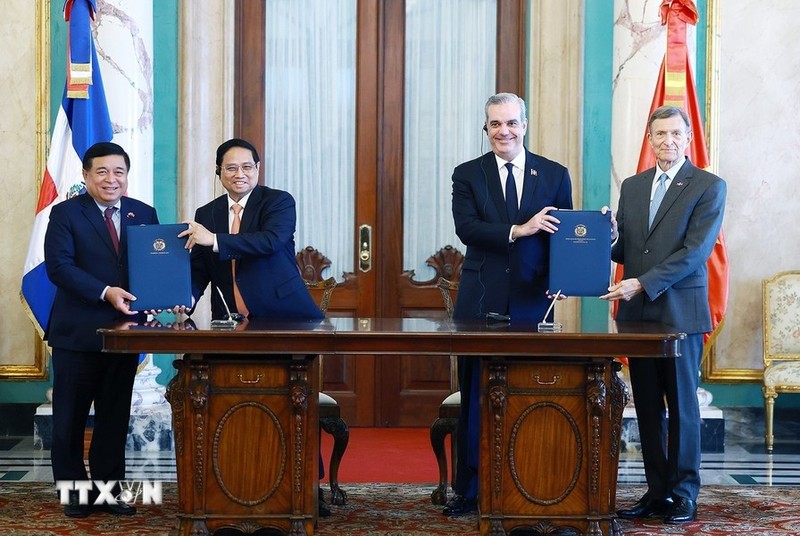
(511, 194)
(658, 196)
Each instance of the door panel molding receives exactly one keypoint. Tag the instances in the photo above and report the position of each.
(384, 391)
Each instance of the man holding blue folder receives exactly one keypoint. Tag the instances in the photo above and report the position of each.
(85, 250)
(243, 244)
(666, 226)
(502, 203)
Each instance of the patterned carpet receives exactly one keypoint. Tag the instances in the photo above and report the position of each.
(29, 508)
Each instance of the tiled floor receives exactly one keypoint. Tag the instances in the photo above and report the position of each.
(743, 462)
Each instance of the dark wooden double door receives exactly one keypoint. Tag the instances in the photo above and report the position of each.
(397, 390)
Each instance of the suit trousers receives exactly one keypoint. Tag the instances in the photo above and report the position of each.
(670, 449)
(80, 378)
(469, 428)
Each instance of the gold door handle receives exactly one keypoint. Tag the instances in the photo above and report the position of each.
(365, 248)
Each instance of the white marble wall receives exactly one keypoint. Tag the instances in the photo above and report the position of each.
(639, 47)
(124, 30)
(756, 136)
(19, 133)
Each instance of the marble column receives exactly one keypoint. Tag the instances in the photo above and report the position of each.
(554, 97)
(205, 108)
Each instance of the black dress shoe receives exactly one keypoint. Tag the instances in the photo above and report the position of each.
(323, 511)
(73, 508)
(76, 510)
(459, 505)
(118, 508)
(682, 511)
(646, 507)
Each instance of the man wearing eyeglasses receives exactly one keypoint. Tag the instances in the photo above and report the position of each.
(243, 244)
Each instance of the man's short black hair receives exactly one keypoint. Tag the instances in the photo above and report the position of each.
(235, 142)
(104, 148)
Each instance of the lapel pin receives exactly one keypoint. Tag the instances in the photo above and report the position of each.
(679, 183)
(131, 215)
(533, 172)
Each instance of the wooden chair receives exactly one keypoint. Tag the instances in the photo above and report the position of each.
(449, 410)
(781, 306)
(311, 263)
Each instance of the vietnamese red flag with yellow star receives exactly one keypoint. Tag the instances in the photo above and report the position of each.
(675, 87)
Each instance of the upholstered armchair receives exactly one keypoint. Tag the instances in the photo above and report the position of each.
(781, 302)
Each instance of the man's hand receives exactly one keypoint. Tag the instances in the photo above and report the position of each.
(614, 231)
(198, 235)
(624, 290)
(541, 221)
(120, 299)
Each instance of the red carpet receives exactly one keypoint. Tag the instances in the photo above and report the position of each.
(393, 455)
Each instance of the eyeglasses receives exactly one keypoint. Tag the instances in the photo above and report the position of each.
(248, 168)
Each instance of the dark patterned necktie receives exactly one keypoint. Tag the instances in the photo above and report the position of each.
(511, 194)
(112, 231)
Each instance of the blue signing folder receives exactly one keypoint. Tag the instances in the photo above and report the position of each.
(158, 266)
(580, 253)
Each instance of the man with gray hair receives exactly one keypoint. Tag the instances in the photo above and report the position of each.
(666, 225)
(503, 205)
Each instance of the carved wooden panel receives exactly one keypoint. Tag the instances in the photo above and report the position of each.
(547, 434)
(311, 263)
(254, 443)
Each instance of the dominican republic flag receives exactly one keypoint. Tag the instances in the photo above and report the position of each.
(82, 121)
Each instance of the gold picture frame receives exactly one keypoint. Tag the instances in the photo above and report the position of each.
(711, 372)
(38, 371)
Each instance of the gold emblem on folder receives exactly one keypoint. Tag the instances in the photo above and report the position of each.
(159, 244)
(580, 230)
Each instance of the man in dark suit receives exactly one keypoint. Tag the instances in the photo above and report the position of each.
(89, 267)
(665, 228)
(259, 247)
(505, 220)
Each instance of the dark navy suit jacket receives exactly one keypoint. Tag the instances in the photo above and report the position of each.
(498, 276)
(81, 261)
(264, 250)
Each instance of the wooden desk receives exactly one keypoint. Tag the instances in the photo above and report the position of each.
(245, 420)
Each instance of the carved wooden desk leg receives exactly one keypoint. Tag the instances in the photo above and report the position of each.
(341, 436)
(300, 394)
(596, 407)
(497, 398)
